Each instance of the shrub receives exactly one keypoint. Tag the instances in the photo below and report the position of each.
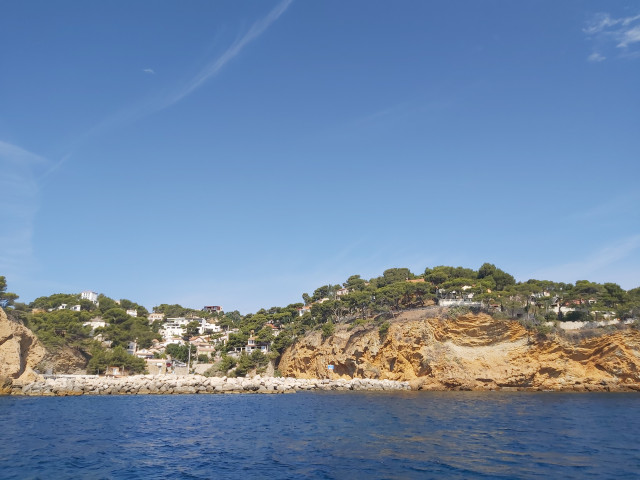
(327, 330)
(358, 322)
(222, 367)
(117, 357)
(458, 311)
(383, 330)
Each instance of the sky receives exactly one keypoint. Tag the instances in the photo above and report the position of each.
(242, 153)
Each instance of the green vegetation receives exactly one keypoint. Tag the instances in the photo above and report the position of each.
(355, 302)
(180, 352)
(56, 326)
(256, 361)
(328, 329)
(62, 328)
(6, 297)
(117, 357)
(383, 330)
(239, 367)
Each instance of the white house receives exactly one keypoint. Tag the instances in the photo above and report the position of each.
(170, 330)
(95, 323)
(155, 316)
(205, 327)
(89, 295)
(212, 308)
(132, 312)
(252, 345)
(176, 327)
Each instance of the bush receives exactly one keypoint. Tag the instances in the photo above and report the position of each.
(118, 357)
(222, 367)
(458, 311)
(256, 361)
(383, 330)
(358, 322)
(328, 329)
(577, 316)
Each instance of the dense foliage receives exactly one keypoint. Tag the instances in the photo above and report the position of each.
(360, 301)
(116, 357)
(7, 298)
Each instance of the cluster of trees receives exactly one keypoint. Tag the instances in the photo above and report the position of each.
(175, 310)
(358, 301)
(65, 328)
(181, 352)
(61, 328)
(117, 357)
(256, 361)
(7, 298)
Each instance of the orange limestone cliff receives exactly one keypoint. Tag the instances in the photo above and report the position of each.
(471, 352)
(20, 352)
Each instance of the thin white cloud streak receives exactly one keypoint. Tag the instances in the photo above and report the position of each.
(596, 57)
(19, 204)
(629, 37)
(614, 206)
(604, 30)
(600, 263)
(150, 106)
(214, 68)
(150, 71)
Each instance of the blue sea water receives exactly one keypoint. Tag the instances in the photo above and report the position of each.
(322, 435)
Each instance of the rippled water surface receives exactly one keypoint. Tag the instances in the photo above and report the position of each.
(322, 435)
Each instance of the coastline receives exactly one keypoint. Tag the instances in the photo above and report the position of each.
(69, 385)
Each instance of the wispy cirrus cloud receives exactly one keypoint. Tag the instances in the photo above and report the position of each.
(603, 263)
(622, 205)
(149, 106)
(596, 57)
(606, 32)
(19, 203)
(213, 68)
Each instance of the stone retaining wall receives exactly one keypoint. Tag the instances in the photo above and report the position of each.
(176, 384)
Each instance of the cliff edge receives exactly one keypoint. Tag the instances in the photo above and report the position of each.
(471, 352)
(20, 352)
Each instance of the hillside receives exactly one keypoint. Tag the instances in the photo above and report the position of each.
(471, 352)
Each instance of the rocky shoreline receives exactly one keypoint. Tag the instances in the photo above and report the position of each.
(73, 385)
(190, 384)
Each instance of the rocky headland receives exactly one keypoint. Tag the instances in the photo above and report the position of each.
(470, 352)
(20, 353)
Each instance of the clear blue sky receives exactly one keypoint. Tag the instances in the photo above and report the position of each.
(242, 153)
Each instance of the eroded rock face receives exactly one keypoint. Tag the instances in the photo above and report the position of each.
(64, 360)
(20, 352)
(472, 352)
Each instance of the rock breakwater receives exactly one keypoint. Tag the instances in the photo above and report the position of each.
(190, 384)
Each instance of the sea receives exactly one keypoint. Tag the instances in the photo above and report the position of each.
(322, 435)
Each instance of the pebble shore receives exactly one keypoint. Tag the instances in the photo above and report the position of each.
(190, 384)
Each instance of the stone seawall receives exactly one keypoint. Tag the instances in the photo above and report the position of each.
(189, 384)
